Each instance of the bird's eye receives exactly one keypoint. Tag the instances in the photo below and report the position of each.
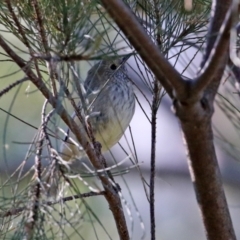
(113, 66)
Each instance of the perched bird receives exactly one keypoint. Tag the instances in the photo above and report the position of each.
(111, 106)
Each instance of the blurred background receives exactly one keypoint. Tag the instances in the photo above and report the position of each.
(177, 213)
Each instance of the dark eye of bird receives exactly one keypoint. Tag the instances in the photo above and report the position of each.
(113, 67)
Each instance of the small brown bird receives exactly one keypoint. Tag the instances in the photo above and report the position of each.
(111, 105)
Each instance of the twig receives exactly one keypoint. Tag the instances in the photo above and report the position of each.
(16, 211)
(155, 105)
(7, 89)
(34, 206)
(216, 57)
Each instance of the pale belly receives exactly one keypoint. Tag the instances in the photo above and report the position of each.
(109, 134)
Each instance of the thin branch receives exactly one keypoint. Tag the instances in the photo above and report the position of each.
(40, 22)
(40, 27)
(234, 34)
(217, 57)
(36, 194)
(7, 89)
(75, 57)
(155, 105)
(66, 58)
(22, 33)
(143, 44)
(219, 11)
(18, 24)
(17, 211)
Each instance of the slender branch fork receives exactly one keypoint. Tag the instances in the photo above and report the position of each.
(193, 101)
